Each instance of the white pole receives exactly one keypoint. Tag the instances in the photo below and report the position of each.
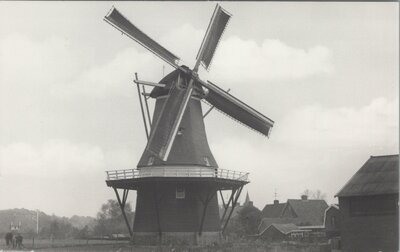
(37, 221)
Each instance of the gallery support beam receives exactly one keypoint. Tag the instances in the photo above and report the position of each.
(235, 199)
(226, 206)
(122, 204)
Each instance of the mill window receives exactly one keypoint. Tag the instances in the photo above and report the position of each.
(206, 161)
(150, 161)
(180, 131)
(180, 192)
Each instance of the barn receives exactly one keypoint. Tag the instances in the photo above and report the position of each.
(332, 221)
(369, 207)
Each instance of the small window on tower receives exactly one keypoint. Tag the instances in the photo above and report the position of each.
(206, 161)
(180, 131)
(180, 192)
(150, 161)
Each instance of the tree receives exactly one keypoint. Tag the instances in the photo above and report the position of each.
(245, 223)
(249, 218)
(82, 233)
(317, 194)
(110, 220)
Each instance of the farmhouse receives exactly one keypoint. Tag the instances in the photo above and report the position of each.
(369, 206)
(307, 215)
(273, 210)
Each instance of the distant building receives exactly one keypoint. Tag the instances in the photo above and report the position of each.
(369, 207)
(332, 221)
(306, 214)
(273, 210)
(302, 212)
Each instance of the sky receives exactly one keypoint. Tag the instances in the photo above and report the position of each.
(326, 73)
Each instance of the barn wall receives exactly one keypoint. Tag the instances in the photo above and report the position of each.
(332, 229)
(370, 231)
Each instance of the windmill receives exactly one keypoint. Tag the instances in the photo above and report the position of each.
(177, 178)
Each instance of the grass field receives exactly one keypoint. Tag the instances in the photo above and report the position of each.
(66, 245)
(125, 246)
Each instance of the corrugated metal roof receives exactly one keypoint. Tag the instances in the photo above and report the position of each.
(266, 222)
(379, 175)
(283, 228)
(286, 228)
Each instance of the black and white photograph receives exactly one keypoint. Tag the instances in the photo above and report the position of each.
(166, 126)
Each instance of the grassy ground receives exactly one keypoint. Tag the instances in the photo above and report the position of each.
(125, 246)
(65, 245)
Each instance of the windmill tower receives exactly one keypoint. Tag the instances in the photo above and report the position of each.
(177, 178)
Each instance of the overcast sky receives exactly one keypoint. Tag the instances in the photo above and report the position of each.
(326, 73)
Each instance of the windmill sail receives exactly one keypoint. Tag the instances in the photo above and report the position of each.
(166, 127)
(116, 19)
(214, 32)
(236, 109)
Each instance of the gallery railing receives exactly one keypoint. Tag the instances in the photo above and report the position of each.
(177, 172)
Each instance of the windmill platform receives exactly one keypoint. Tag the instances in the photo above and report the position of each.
(178, 205)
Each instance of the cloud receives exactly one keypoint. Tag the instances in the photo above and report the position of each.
(116, 76)
(61, 158)
(184, 41)
(375, 124)
(54, 158)
(309, 146)
(273, 60)
(235, 59)
(37, 62)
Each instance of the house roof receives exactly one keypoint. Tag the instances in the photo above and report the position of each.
(308, 212)
(266, 222)
(273, 210)
(379, 175)
(283, 228)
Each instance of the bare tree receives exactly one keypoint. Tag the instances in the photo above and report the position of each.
(317, 194)
(306, 193)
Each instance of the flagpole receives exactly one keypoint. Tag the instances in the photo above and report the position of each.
(37, 221)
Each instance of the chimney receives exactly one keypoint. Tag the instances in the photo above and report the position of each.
(304, 197)
(276, 202)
